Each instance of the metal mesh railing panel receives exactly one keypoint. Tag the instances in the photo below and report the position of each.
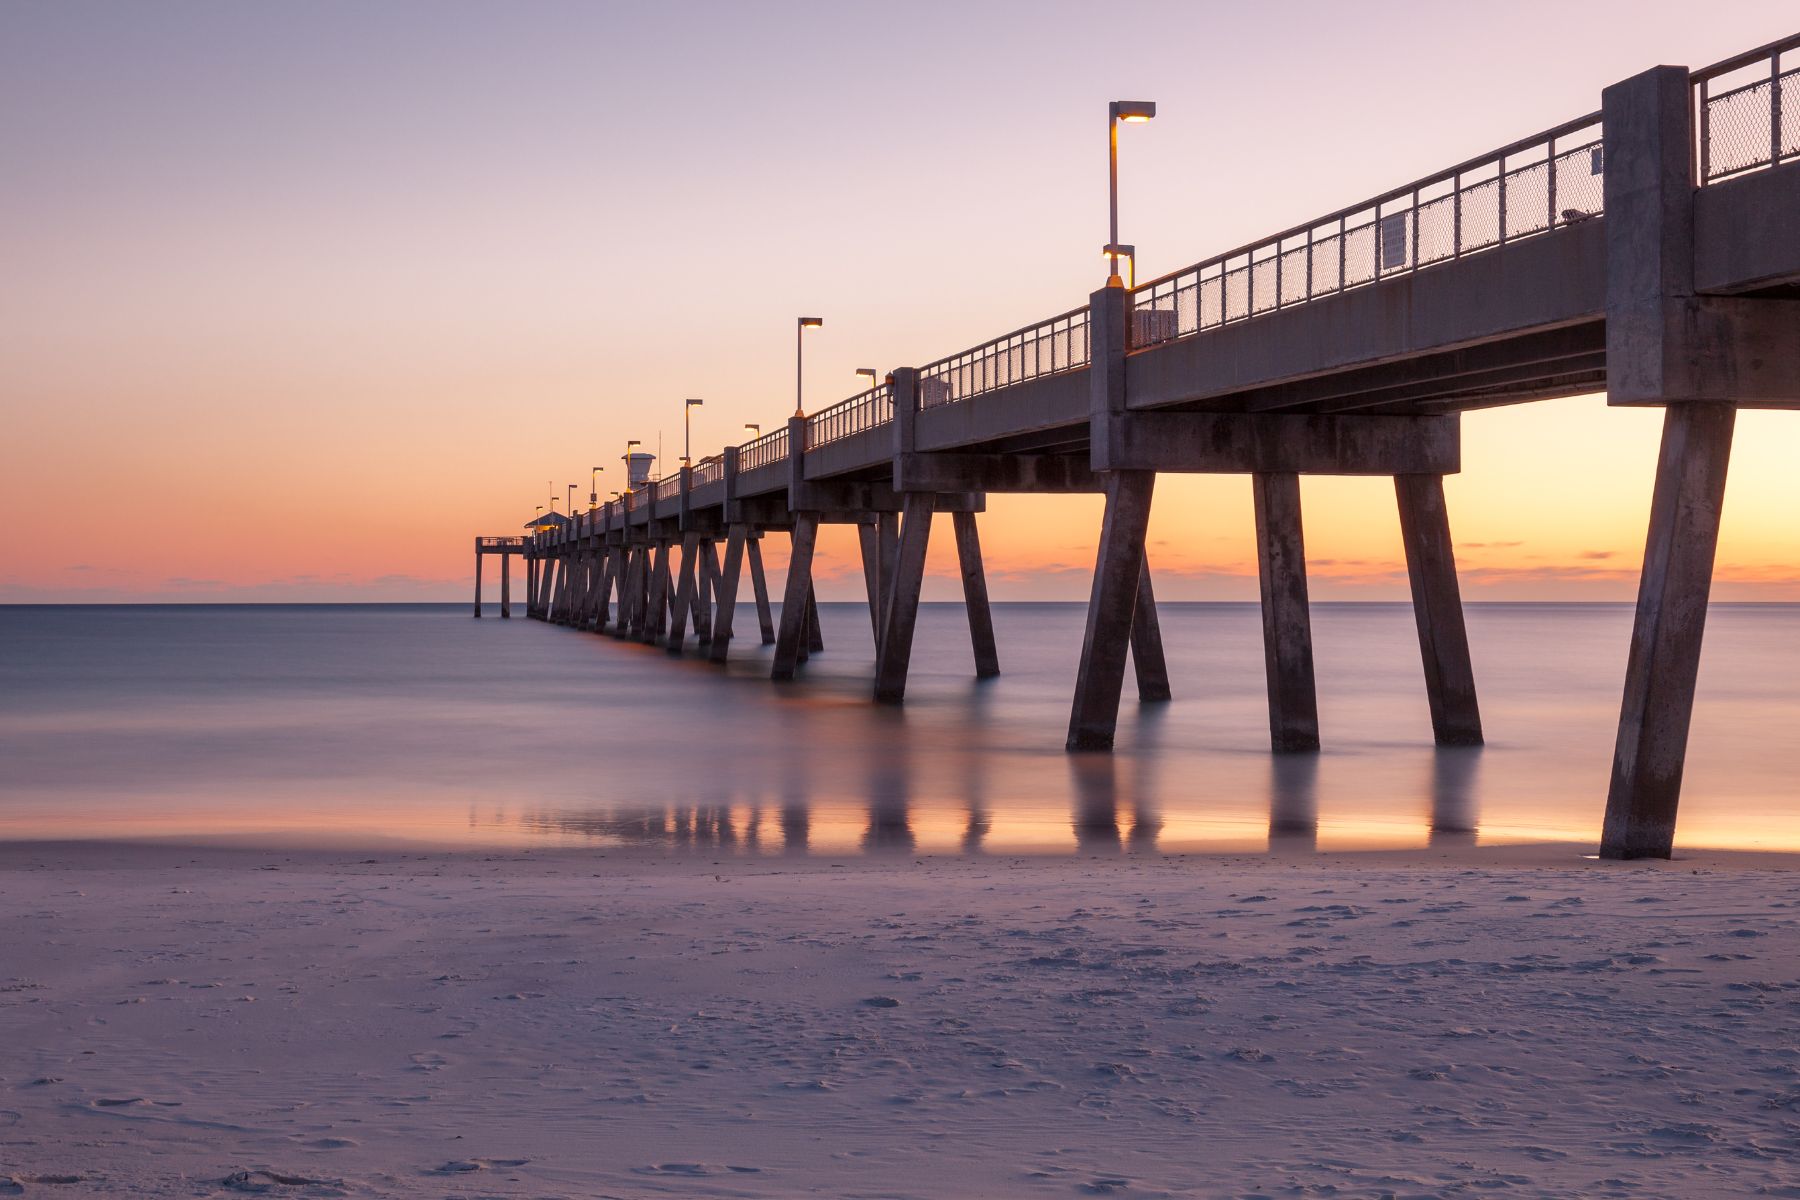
(1531, 186)
(763, 451)
(1749, 111)
(1047, 348)
(859, 414)
(1738, 124)
(708, 470)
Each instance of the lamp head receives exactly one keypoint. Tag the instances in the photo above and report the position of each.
(1134, 111)
(811, 322)
(691, 403)
(867, 373)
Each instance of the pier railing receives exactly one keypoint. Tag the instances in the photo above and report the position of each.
(767, 449)
(1748, 110)
(860, 413)
(503, 542)
(710, 469)
(1049, 347)
(1548, 180)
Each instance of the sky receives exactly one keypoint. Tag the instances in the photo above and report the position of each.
(297, 299)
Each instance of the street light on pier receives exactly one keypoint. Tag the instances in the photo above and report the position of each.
(687, 432)
(630, 445)
(551, 484)
(753, 429)
(571, 500)
(1135, 112)
(594, 487)
(1129, 254)
(806, 323)
(867, 373)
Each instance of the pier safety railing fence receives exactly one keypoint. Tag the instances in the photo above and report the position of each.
(1049, 347)
(860, 413)
(763, 451)
(508, 542)
(1539, 183)
(710, 469)
(1748, 111)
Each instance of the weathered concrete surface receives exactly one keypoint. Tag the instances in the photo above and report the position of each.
(1666, 636)
(975, 595)
(1287, 619)
(1438, 611)
(1118, 569)
(895, 655)
(1147, 644)
(1287, 443)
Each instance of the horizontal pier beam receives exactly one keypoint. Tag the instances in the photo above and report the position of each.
(995, 473)
(1286, 443)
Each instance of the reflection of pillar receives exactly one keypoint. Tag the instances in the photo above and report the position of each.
(1453, 810)
(1096, 801)
(1294, 801)
(975, 797)
(890, 798)
(1146, 813)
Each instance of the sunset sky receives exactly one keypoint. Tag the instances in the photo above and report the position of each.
(298, 299)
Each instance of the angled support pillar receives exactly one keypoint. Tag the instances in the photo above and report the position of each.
(478, 558)
(760, 583)
(705, 597)
(1146, 643)
(627, 559)
(867, 543)
(506, 587)
(1665, 638)
(975, 595)
(728, 590)
(1287, 621)
(657, 616)
(684, 591)
(1118, 570)
(895, 654)
(815, 637)
(1438, 610)
(792, 637)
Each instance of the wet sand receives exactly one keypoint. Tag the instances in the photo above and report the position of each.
(185, 1021)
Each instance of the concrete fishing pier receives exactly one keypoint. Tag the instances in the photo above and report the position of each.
(1650, 250)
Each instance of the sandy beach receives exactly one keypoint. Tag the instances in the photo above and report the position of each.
(193, 1022)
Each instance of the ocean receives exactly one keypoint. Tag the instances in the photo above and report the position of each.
(415, 725)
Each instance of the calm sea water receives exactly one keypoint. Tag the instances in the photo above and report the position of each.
(351, 725)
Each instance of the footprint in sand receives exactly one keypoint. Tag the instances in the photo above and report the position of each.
(462, 1166)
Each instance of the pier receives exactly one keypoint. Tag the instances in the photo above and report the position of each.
(1650, 250)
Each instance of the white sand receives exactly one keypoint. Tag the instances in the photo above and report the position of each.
(181, 1023)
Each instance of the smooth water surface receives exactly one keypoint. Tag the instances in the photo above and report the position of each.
(345, 725)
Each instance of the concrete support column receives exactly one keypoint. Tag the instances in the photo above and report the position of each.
(815, 637)
(866, 542)
(1437, 608)
(975, 595)
(478, 557)
(895, 654)
(728, 590)
(793, 601)
(657, 617)
(708, 590)
(530, 586)
(1118, 569)
(1146, 643)
(684, 591)
(506, 587)
(1287, 621)
(760, 583)
(1665, 639)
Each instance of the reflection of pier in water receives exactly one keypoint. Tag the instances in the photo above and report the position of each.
(1115, 806)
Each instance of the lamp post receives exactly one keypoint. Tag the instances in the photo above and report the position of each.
(551, 484)
(630, 445)
(867, 373)
(806, 323)
(571, 501)
(1136, 112)
(594, 487)
(1129, 254)
(687, 431)
(753, 429)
